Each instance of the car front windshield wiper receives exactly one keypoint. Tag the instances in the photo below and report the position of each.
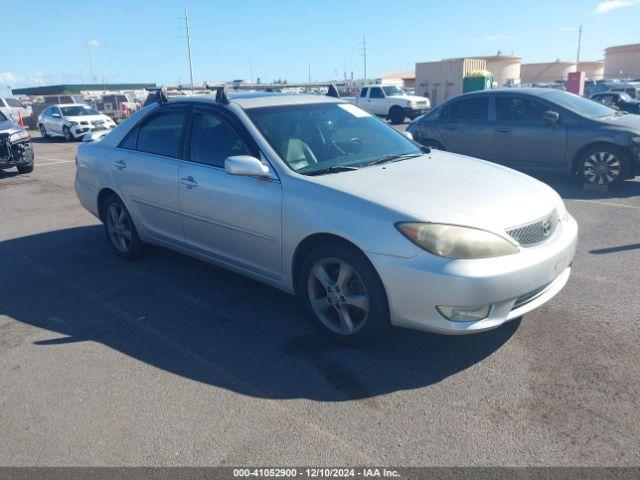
(394, 158)
(334, 169)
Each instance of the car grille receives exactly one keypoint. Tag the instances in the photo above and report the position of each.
(535, 233)
(421, 104)
(528, 297)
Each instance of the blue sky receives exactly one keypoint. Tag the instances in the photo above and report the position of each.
(142, 41)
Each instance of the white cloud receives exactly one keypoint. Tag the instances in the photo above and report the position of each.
(493, 38)
(607, 6)
(93, 44)
(8, 78)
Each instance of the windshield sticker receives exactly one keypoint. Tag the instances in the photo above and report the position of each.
(353, 110)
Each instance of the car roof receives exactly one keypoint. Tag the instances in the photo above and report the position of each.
(262, 99)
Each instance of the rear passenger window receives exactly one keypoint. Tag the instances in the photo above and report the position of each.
(162, 134)
(469, 109)
(363, 92)
(213, 139)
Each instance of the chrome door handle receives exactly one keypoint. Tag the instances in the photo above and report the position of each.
(120, 164)
(189, 182)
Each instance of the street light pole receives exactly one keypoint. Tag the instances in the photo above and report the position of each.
(186, 26)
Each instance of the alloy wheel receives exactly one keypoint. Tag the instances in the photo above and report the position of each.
(43, 131)
(601, 168)
(119, 227)
(338, 296)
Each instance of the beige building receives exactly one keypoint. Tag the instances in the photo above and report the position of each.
(622, 61)
(592, 70)
(406, 79)
(546, 72)
(504, 68)
(444, 79)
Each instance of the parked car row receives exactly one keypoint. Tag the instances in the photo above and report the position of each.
(537, 130)
(391, 102)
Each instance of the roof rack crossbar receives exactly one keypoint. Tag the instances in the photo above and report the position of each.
(221, 93)
(333, 91)
(161, 94)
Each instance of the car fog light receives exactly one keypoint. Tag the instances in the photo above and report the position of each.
(464, 314)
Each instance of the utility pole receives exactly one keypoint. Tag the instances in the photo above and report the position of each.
(579, 45)
(250, 69)
(364, 54)
(309, 76)
(93, 73)
(186, 27)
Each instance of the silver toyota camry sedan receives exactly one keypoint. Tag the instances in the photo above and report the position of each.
(315, 196)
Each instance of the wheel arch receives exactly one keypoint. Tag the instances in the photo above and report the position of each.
(103, 195)
(308, 244)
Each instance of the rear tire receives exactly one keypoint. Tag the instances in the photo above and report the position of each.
(120, 229)
(344, 294)
(603, 165)
(396, 115)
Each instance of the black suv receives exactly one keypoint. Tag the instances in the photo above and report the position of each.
(539, 130)
(15, 146)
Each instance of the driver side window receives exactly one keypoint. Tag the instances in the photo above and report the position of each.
(376, 92)
(213, 139)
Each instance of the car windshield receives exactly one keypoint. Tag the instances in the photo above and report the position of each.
(327, 137)
(579, 105)
(392, 91)
(12, 102)
(78, 111)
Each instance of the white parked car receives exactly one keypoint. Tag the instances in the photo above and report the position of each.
(72, 121)
(317, 197)
(391, 102)
(14, 109)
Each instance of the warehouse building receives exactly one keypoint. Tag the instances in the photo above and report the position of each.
(592, 70)
(444, 79)
(546, 72)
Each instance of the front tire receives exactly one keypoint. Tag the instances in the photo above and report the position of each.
(43, 132)
(68, 136)
(22, 169)
(603, 165)
(344, 294)
(120, 230)
(396, 115)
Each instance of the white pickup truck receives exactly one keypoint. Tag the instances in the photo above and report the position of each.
(391, 102)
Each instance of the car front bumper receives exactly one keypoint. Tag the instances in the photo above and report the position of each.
(79, 131)
(15, 154)
(415, 112)
(513, 285)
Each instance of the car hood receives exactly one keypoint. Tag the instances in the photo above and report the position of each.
(90, 118)
(443, 187)
(630, 121)
(9, 127)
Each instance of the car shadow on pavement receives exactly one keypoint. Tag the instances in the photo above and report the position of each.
(210, 325)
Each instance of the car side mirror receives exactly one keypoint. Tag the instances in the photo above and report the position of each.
(55, 115)
(409, 135)
(247, 166)
(552, 117)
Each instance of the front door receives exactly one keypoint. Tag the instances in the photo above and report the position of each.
(233, 219)
(523, 139)
(145, 169)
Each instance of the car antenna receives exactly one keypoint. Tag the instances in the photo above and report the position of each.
(333, 91)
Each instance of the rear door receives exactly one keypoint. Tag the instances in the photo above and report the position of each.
(231, 218)
(525, 140)
(145, 169)
(465, 128)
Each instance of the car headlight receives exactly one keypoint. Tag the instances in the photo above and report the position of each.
(635, 140)
(14, 137)
(73, 123)
(413, 105)
(453, 241)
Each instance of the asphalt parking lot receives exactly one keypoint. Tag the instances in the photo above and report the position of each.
(170, 361)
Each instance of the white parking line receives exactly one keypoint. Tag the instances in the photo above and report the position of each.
(40, 157)
(608, 204)
(54, 163)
